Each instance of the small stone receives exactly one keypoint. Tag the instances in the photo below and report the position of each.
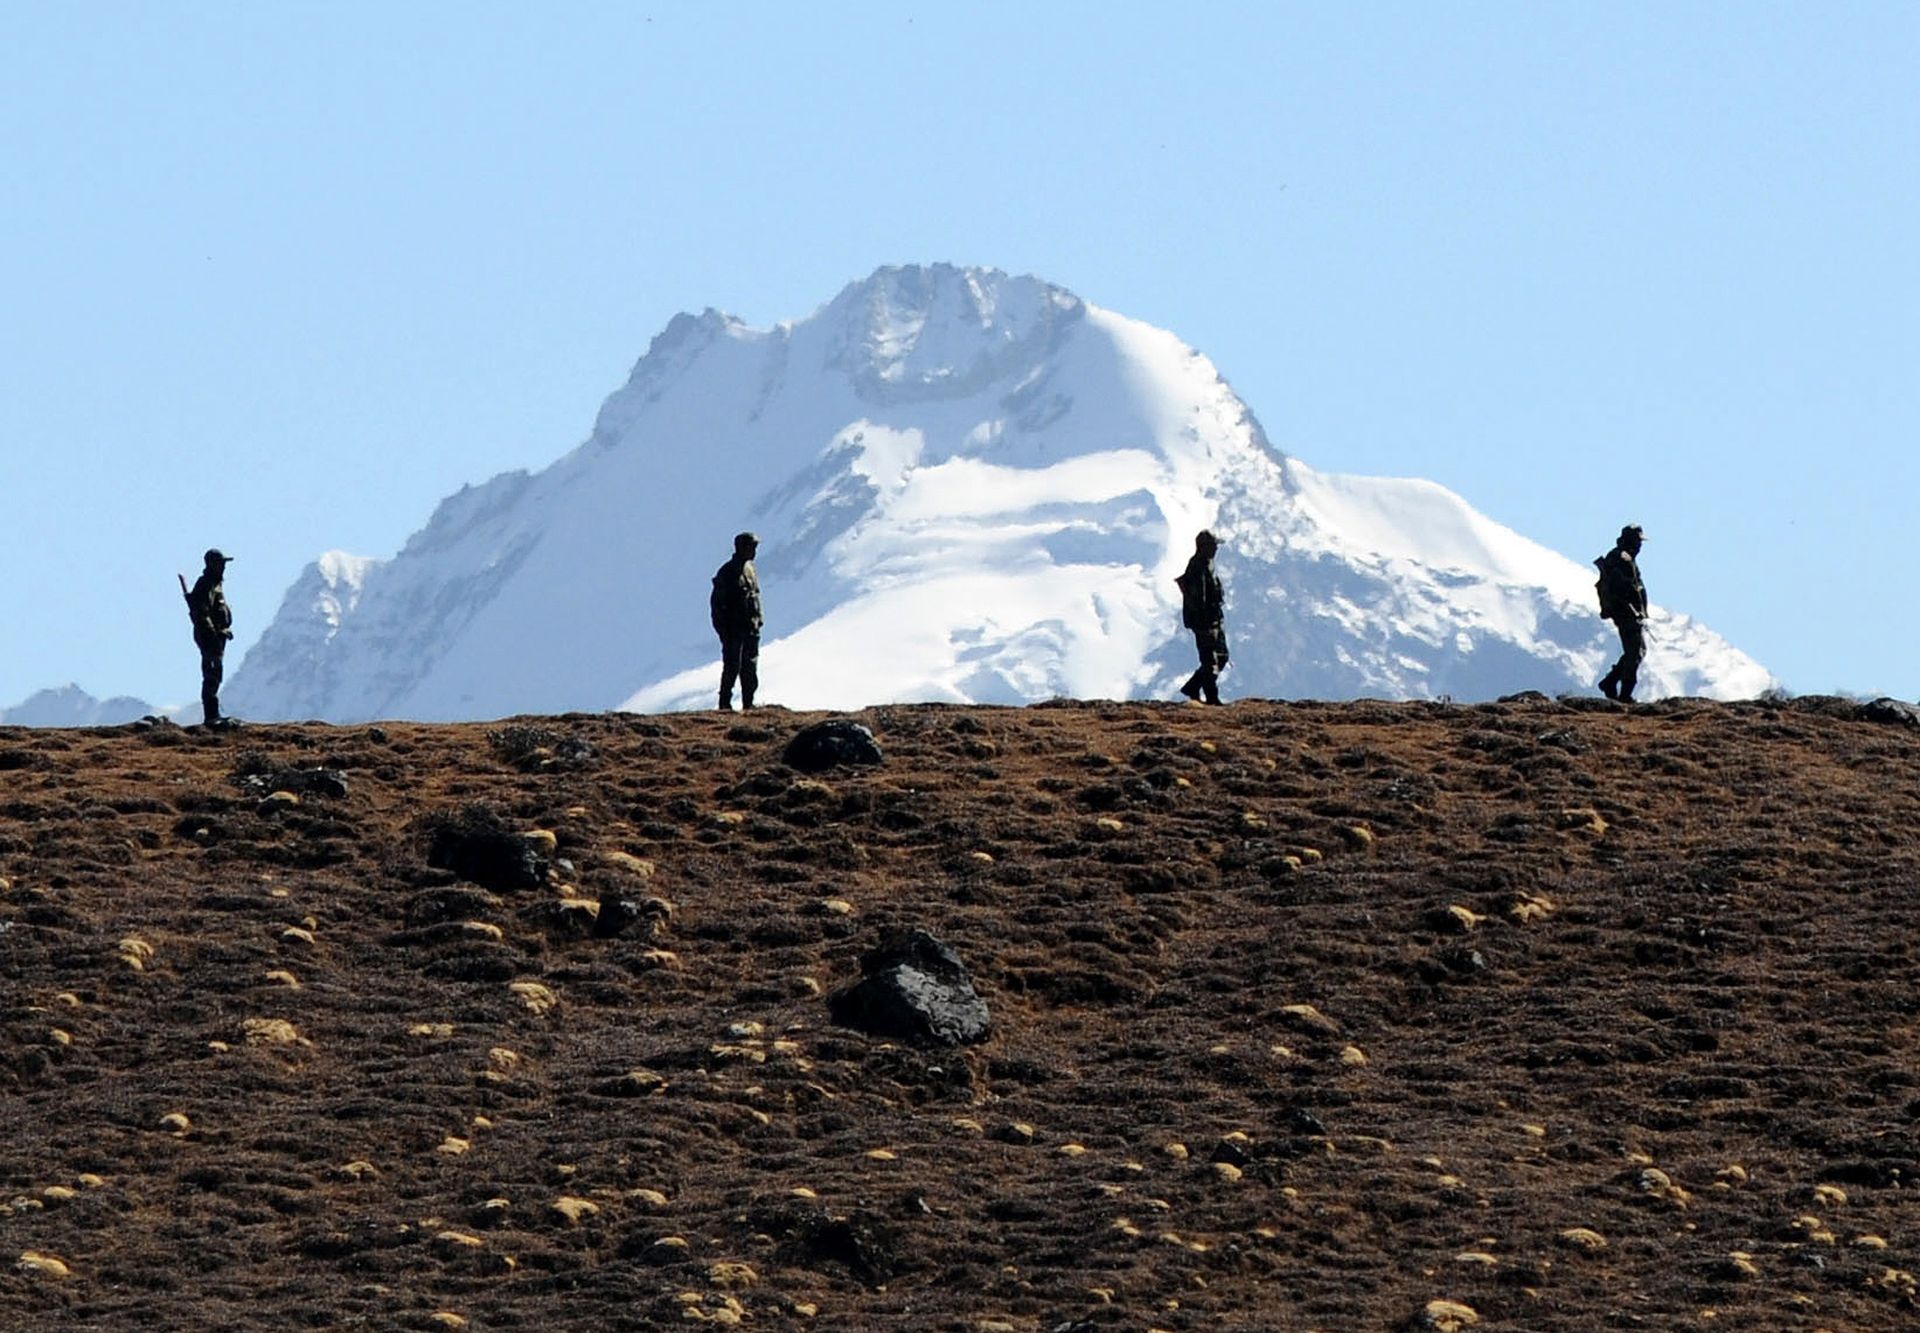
(1584, 1238)
(176, 1122)
(281, 977)
(1227, 1171)
(272, 1032)
(1177, 1151)
(297, 935)
(359, 1169)
(836, 907)
(543, 841)
(1353, 1057)
(453, 1146)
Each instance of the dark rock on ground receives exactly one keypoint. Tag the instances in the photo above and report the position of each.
(828, 744)
(475, 846)
(916, 988)
(1891, 710)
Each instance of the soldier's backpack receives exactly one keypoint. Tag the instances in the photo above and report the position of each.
(1600, 588)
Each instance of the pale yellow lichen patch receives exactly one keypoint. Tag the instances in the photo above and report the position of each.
(1584, 820)
(880, 1155)
(219, 1047)
(1896, 1280)
(1227, 1171)
(731, 1276)
(542, 840)
(135, 952)
(1534, 1131)
(1464, 918)
(482, 1122)
(1353, 1057)
(1652, 1180)
(60, 1036)
(359, 1169)
(1740, 1263)
(431, 1031)
(1072, 1150)
(69, 999)
(1448, 1316)
(1177, 1151)
(1584, 1238)
(1528, 908)
(176, 1122)
(1730, 1177)
(631, 864)
(453, 1146)
(483, 930)
(1813, 1229)
(59, 1193)
(272, 1032)
(672, 1244)
(984, 858)
(297, 935)
(1312, 855)
(729, 818)
(538, 998)
(1308, 1016)
(652, 1198)
(1108, 824)
(88, 1180)
(574, 1210)
(1870, 1242)
(503, 1059)
(1251, 821)
(1477, 1258)
(455, 1241)
(45, 1265)
(448, 1319)
(1830, 1196)
(281, 977)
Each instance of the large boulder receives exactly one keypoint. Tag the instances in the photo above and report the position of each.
(1891, 710)
(477, 847)
(836, 741)
(914, 988)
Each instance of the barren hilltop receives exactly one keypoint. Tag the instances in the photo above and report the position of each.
(1535, 1015)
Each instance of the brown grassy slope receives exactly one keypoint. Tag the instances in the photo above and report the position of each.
(1677, 1009)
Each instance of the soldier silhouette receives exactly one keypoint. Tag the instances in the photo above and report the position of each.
(735, 608)
(1623, 600)
(212, 628)
(1203, 608)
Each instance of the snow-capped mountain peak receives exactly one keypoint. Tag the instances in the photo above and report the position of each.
(968, 486)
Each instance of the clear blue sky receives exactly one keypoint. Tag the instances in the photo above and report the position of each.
(277, 277)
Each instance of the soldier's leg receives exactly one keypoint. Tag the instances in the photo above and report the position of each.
(1216, 662)
(749, 668)
(1633, 651)
(212, 671)
(1197, 682)
(729, 670)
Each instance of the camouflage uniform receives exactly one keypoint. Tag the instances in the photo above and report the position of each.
(1203, 609)
(1623, 600)
(212, 627)
(735, 609)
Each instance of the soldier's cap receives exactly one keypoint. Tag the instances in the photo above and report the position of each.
(742, 540)
(215, 558)
(1206, 538)
(1632, 530)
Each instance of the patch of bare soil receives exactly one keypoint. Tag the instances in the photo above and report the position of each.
(1305, 1016)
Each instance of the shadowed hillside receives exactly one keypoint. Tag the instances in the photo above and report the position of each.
(1305, 1016)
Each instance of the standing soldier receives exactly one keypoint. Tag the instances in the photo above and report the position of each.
(735, 606)
(1623, 600)
(1203, 609)
(212, 627)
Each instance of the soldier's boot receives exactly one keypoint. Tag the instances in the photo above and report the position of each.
(746, 700)
(726, 702)
(1607, 685)
(1193, 686)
